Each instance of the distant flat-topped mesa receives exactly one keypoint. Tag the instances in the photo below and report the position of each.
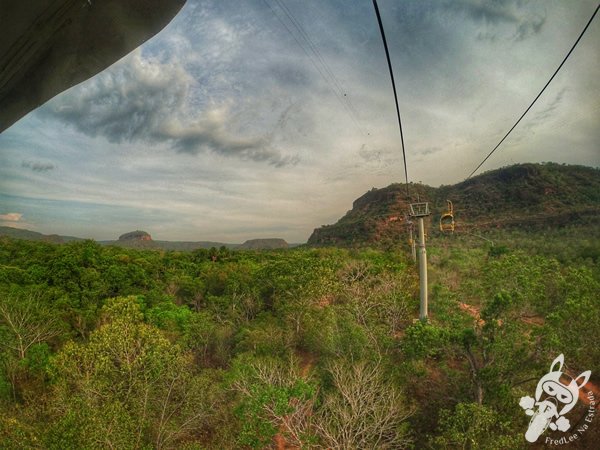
(136, 235)
(263, 244)
(47, 46)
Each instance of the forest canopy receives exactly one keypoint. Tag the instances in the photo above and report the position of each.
(107, 347)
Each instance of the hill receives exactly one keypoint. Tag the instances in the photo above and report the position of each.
(18, 233)
(528, 196)
(142, 240)
(259, 244)
(181, 246)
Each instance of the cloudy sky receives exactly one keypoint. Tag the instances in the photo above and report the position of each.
(267, 118)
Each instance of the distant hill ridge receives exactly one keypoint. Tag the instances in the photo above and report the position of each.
(19, 233)
(257, 244)
(142, 240)
(522, 195)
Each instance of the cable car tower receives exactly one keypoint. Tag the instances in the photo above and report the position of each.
(419, 211)
(411, 239)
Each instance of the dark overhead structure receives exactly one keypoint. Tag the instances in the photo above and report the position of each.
(48, 46)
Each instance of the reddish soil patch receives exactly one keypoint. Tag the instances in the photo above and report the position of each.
(399, 334)
(533, 320)
(279, 442)
(589, 387)
(325, 301)
(307, 362)
(472, 311)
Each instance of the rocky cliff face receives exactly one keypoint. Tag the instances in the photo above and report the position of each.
(137, 235)
(523, 195)
(374, 216)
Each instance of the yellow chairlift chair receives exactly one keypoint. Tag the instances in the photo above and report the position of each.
(447, 220)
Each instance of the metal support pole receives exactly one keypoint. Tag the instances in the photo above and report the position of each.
(422, 271)
(413, 246)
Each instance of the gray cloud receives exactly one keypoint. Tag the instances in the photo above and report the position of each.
(430, 150)
(37, 166)
(370, 156)
(493, 12)
(290, 75)
(151, 101)
(227, 79)
(124, 104)
(529, 27)
(547, 112)
(211, 135)
(499, 12)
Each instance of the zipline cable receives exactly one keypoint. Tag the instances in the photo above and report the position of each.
(387, 55)
(319, 55)
(319, 64)
(538, 96)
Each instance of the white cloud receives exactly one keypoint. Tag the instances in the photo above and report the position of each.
(223, 121)
(10, 217)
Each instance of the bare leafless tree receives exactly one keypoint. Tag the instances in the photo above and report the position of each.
(364, 411)
(296, 425)
(28, 322)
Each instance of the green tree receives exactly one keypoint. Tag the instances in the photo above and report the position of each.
(128, 387)
(573, 327)
(26, 322)
(472, 427)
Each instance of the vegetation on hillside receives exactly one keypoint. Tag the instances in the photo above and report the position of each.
(107, 347)
(533, 196)
(141, 240)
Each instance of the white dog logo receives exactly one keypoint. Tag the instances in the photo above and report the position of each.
(550, 395)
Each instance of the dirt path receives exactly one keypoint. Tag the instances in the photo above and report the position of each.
(307, 362)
